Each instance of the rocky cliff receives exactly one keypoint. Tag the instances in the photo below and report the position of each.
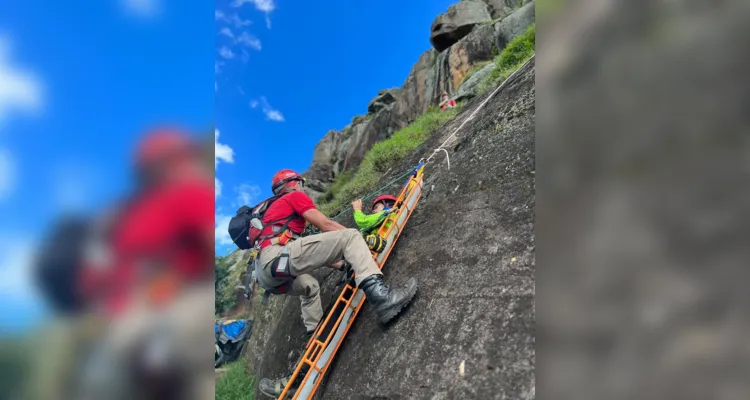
(470, 242)
(467, 34)
(470, 245)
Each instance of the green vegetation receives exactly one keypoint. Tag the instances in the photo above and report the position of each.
(16, 362)
(517, 52)
(235, 384)
(383, 156)
(338, 183)
(223, 285)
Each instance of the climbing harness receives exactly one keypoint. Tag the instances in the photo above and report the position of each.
(328, 336)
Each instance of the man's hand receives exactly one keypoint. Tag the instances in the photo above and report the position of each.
(357, 205)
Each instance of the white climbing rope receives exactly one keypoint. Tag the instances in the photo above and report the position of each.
(474, 113)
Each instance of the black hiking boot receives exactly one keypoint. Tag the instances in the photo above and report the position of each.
(307, 335)
(388, 302)
(273, 388)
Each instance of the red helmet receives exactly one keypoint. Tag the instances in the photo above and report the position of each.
(161, 144)
(282, 179)
(385, 197)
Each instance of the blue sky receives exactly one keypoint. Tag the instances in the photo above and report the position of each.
(78, 81)
(287, 72)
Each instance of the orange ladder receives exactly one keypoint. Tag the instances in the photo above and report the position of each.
(325, 342)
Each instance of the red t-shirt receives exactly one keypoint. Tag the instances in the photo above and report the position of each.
(285, 206)
(168, 227)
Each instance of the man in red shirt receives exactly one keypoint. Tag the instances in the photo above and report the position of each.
(161, 253)
(286, 260)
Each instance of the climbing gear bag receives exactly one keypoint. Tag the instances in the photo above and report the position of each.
(246, 226)
(375, 242)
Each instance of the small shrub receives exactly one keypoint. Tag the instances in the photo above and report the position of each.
(336, 186)
(223, 285)
(517, 52)
(235, 384)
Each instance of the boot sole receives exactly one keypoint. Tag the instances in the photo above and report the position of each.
(273, 396)
(392, 313)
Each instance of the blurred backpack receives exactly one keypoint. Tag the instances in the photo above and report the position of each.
(58, 264)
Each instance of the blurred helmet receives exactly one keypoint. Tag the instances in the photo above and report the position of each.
(162, 144)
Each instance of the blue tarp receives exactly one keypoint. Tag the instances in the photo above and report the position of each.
(233, 328)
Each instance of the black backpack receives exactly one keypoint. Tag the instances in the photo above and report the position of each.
(246, 236)
(59, 261)
(238, 227)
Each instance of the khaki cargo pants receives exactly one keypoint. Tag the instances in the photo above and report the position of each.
(316, 251)
(189, 318)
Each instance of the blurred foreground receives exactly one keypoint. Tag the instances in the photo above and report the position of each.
(642, 204)
(131, 289)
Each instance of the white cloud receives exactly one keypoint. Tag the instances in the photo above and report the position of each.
(248, 40)
(247, 194)
(239, 22)
(239, 89)
(221, 151)
(226, 32)
(20, 90)
(253, 103)
(226, 52)
(233, 19)
(265, 6)
(142, 8)
(245, 56)
(217, 67)
(7, 173)
(221, 233)
(270, 112)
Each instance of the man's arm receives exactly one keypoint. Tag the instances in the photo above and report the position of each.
(322, 222)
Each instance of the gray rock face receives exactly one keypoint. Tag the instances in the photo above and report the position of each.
(339, 151)
(514, 25)
(475, 305)
(457, 22)
(383, 99)
(455, 63)
(470, 87)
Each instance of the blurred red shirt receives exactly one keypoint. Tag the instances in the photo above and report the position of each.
(164, 231)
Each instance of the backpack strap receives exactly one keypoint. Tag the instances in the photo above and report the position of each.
(282, 230)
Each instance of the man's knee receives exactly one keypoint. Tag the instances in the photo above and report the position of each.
(310, 286)
(352, 234)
